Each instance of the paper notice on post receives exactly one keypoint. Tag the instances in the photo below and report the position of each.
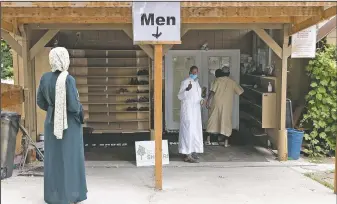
(303, 43)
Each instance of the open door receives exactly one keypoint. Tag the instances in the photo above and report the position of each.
(216, 59)
(177, 65)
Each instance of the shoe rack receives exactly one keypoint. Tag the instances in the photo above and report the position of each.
(114, 88)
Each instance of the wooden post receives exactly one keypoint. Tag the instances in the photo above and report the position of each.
(282, 134)
(158, 116)
(29, 88)
(27, 76)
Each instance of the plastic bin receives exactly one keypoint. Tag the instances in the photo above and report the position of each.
(295, 138)
(9, 130)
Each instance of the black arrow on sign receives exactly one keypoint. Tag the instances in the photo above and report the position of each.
(157, 35)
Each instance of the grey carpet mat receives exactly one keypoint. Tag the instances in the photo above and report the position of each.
(211, 154)
(127, 153)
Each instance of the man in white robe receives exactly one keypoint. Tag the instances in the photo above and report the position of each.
(190, 131)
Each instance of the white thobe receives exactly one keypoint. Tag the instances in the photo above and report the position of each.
(190, 131)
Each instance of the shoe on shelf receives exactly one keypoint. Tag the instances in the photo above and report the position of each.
(132, 109)
(143, 72)
(143, 99)
(144, 109)
(132, 82)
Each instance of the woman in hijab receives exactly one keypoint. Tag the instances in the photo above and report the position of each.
(64, 172)
(220, 103)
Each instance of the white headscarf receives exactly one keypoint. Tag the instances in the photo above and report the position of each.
(59, 61)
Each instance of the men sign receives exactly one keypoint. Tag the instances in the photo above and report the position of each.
(156, 22)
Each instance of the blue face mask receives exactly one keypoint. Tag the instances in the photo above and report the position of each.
(193, 76)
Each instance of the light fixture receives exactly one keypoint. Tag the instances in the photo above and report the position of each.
(56, 42)
(204, 46)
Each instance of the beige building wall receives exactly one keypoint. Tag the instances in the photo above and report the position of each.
(192, 40)
(41, 66)
(118, 40)
(332, 37)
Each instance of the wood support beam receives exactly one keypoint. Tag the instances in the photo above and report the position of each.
(166, 48)
(7, 26)
(234, 26)
(84, 26)
(128, 20)
(10, 27)
(282, 148)
(12, 42)
(42, 42)
(186, 12)
(269, 41)
(192, 4)
(325, 15)
(326, 29)
(147, 48)
(193, 26)
(158, 114)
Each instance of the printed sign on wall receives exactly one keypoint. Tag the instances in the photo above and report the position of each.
(303, 43)
(145, 153)
(156, 21)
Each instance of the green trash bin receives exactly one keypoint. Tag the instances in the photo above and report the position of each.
(9, 130)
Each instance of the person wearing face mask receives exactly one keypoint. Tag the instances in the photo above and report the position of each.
(190, 131)
(220, 103)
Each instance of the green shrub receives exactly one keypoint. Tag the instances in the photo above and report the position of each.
(6, 64)
(320, 117)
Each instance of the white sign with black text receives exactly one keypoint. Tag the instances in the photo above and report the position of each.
(156, 21)
(303, 43)
(145, 153)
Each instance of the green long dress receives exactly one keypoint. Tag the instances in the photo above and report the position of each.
(64, 171)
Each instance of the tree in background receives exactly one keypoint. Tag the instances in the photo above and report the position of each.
(6, 61)
(320, 118)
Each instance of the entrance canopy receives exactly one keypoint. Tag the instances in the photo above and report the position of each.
(22, 21)
(300, 14)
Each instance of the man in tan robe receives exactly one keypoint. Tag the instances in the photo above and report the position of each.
(220, 103)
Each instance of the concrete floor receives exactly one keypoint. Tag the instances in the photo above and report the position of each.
(251, 176)
(229, 184)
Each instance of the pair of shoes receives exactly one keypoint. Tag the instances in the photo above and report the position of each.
(143, 99)
(132, 109)
(190, 159)
(142, 91)
(224, 143)
(134, 81)
(142, 82)
(143, 72)
(143, 109)
(122, 90)
(131, 100)
(195, 155)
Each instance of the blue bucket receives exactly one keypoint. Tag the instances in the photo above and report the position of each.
(295, 138)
